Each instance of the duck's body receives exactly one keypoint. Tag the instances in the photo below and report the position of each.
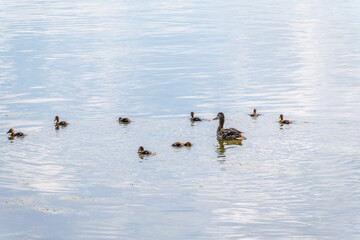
(13, 134)
(124, 120)
(193, 118)
(142, 151)
(227, 133)
(181, 144)
(62, 123)
(283, 121)
(255, 114)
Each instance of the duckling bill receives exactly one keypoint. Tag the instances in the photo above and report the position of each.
(13, 134)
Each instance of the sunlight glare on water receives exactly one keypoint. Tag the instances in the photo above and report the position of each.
(91, 62)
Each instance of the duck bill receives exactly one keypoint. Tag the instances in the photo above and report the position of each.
(216, 118)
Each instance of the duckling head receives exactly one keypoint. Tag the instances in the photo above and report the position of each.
(57, 119)
(188, 144)
(281, 117)
(192, 114)
(220, 115)
(141, 149)
(11, 131)
(255, 111)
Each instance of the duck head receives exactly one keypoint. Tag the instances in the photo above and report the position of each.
(255, 111)
(188, 144)
(11, 131)
(281, 117)
(57, 119)
(192, 114)
(220, 116)
(141, 149)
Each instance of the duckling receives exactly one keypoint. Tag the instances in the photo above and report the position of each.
(124, 120)
(178, 144)
(13, 134)
(255, 114)
(181, 144)
(58, 123)
(229, 133)
(193, 118)
(284, 121)
(188, 144)
(142, 151)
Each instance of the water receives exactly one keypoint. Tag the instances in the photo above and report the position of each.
(90, 62)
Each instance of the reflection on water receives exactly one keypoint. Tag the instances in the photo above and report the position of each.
(155, 62)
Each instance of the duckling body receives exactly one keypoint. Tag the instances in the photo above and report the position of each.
(227, 133)
(181, 144)
(142, 151)
(13, 134)
(193, 118)
(283, 121)
(255, 114)
(62, 123)
(124, 120)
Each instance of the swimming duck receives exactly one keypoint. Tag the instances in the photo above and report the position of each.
(13, 134)
(229, 133)
(142, 151)
(255, 114)
(181, 144)
(193, 118)
(62, 123)
(284, 121)
(124, 120)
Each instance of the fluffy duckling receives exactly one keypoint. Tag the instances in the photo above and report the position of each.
(124, 120)
(284, 121)
(142, 151)
(62, 123)
(193, 118)
(181, 144)
(229, 133)
(255, 114)
(13, 134)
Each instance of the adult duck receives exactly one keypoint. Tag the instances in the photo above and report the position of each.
(227, 133)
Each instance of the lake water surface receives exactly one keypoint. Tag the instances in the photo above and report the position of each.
(156, 61)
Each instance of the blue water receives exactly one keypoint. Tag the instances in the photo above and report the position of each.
(91, 62)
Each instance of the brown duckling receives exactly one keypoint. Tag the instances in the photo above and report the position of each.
(284, 121)
(124, 120)
(255, 114)
(193, 118)
(13, 134)
(142, 151)
(62, 123)
(229, 133)
(181, 144)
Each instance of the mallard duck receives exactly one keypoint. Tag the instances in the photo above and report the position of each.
(124, 120)
(13, 134)
(193, 118)
(142, 151)
(181, 144)
(255, 114)
(62, 123)
(229, 133)
(284, 121)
